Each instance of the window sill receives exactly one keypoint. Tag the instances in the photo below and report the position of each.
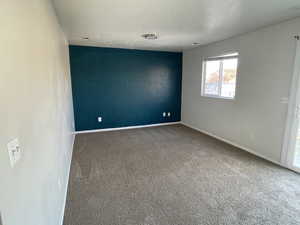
(218, 97)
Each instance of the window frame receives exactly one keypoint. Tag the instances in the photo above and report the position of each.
(232, 55)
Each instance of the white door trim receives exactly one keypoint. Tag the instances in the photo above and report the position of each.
(288, 148)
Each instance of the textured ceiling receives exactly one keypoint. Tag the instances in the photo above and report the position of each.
(178, 23)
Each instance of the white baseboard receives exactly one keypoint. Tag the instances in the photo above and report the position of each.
(126, 128)
(234, 144)
(67, 183)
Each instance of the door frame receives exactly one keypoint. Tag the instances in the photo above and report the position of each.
(293, 115)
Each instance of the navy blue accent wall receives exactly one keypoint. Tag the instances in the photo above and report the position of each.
(124, 87)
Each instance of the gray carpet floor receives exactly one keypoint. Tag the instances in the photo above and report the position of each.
(173, 175)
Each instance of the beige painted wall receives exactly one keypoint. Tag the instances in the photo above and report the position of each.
(36, 107)
(256, 118)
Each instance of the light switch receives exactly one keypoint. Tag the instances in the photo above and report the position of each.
(14, 152)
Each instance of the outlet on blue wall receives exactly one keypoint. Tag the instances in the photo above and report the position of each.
(124, 87)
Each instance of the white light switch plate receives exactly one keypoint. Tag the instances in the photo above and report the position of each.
(14, 151)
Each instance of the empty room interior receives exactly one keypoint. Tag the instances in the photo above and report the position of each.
(162, 112)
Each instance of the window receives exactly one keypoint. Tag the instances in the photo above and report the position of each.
(219, 76)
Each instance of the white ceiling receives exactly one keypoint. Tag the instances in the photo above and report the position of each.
(179, 23)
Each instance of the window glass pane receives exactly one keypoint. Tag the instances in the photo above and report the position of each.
(229, 78)
(212, 77)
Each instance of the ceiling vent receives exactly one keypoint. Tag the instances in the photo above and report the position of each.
(150, 36)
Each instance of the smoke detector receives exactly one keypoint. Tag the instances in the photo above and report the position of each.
(150, 36)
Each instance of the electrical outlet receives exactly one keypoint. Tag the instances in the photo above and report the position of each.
(164, 114)
(284, 100)
(169, 114)
(99, 119)
(14, 151)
